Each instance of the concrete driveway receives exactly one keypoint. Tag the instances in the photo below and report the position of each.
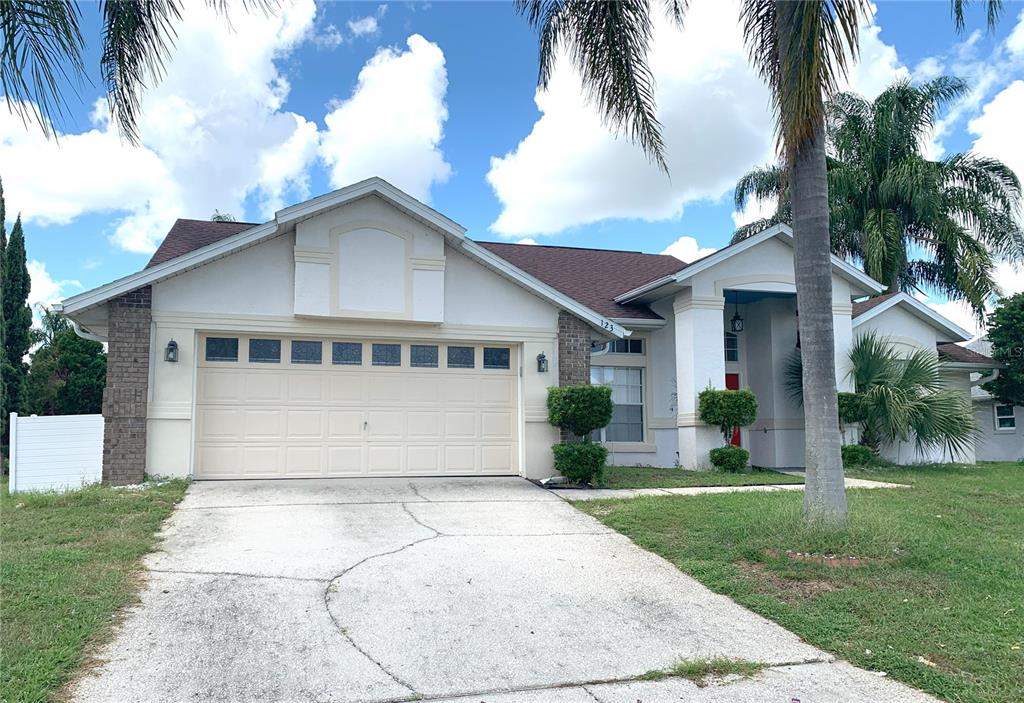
(440, 589)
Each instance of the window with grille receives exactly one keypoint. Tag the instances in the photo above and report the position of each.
(627, 423)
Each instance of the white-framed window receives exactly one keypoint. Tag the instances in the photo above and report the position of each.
(1005, 420)
(732, 347)
(627, 384)
(618, 346)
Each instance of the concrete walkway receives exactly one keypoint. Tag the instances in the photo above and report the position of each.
(573, 495)
(467, 590)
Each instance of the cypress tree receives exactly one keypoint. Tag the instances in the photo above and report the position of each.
(17, 318)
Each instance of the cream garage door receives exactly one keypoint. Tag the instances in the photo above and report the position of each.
(273, 407)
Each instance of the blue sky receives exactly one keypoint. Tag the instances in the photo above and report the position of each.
(441, 99)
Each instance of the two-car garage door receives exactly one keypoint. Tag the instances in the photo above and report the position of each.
(279, 407)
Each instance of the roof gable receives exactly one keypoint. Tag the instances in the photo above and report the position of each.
(877, 306)
(188, 235)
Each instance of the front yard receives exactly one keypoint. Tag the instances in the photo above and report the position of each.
(68, 563)
(645, 477)
(927, 584)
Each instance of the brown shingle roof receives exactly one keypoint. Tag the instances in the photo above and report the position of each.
(962, 355)
(189, 235)
(591, 276)
(863, 306)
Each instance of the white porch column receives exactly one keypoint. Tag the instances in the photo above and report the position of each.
(843, 328)
(700, 361)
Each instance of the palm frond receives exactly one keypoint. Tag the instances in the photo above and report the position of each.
(42, 53)
(993, 10)
(608, 43)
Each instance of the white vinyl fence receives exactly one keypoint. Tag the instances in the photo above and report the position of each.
(55, 452)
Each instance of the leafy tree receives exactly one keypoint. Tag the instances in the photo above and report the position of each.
(44, 47)
(219, 216)
(911, 222)
(67, 374)
(903, 397)
(4, 373)
(17, 315)
(801, 49)
(1006, 333)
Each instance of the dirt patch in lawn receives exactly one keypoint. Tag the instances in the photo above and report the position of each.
(830, 560)
(787, 590)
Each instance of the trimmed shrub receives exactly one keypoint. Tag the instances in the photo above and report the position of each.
(727, 409)
(730, 458)
(853, 408)
(579, 410)
(582, 462)
(857, 455)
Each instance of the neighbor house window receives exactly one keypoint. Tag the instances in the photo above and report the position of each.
(732, 347)
(627, 423)
(305, 352)
(423, 355)
(619, 346)
(347, 353)
(387, 355)
(497, 357)
(1005, 419)
(265, 351)
(461, 357)
(222, 348)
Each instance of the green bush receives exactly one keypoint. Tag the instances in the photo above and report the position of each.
(582, 462)
(727, 409)
(730, 458)
(853, 408)
(857, 455)
(579, 410)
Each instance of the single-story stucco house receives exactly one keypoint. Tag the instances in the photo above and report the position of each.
(1001, 425)
(361, 333)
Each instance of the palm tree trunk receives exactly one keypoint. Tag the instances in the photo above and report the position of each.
(824, 494)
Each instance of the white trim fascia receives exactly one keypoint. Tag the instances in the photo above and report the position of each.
(919, 310)
(370, 186)
(640, 323)
(179, 264)
(780, 230)
(542, 289)
(969, 366)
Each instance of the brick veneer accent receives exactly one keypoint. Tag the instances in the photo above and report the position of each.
(127, 390)
(573, 350)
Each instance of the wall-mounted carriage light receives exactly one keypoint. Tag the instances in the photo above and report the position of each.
(171, 351)
(542, 363)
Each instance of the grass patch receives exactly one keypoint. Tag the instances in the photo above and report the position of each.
(644, 477)
(704, 671)
(68, 563)
(936, 596)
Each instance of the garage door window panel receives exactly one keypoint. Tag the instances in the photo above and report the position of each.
(347, 353)
(222, 348)
(423, 356)
(497, 357)
(461, 357)
(387, 355)
(306, 352)
(265, 351)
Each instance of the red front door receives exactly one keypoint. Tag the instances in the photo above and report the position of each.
(732, 383)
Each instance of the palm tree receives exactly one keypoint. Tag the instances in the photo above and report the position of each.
(903, 398)
(801, 49)
(43, 45)
(911, 222)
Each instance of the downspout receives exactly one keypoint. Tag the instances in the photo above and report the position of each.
(985, 379)
(85, 334)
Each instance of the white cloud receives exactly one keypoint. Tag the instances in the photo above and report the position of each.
(687, 249)
(960, 314)
(527, 240)
(45, 290)
(329, 37)
(1015, 42)
(754, 210)
(392, 124)
(212, 133)
(570, 170)
(998, 128)
(928, 68)
(878, 65)
(363, 26)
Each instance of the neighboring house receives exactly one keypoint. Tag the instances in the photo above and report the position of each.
(1001, 425)
(361, 333)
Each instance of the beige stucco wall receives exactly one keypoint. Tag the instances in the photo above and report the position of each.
(253, 291)
(998, 445)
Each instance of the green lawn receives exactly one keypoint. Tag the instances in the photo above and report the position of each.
(644, 477)
(67, 564)
(936, 599)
